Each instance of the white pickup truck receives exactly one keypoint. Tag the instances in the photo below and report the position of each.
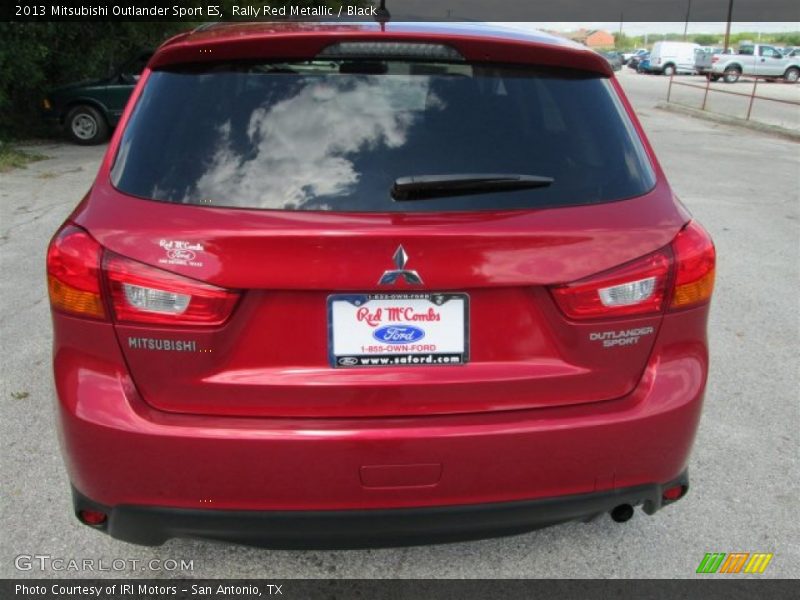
(756, 59)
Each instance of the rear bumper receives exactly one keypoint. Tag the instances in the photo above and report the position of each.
(154, 470)
(150, 525)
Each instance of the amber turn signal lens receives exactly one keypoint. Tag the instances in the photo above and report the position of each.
(695, 292)
(695, 261)
(73, 273)
(72, 300)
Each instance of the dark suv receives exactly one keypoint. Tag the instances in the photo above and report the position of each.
(89, 110)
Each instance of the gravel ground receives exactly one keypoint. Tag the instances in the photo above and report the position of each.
(742, 185)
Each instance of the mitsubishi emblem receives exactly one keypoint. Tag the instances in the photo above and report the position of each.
(400, 259)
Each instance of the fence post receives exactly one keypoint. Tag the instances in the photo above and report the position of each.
(752, 98)
(705, 96)
(669, 89)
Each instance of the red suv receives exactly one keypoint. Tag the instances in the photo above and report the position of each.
(359, 285)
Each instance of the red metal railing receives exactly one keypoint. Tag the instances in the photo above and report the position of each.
(752, 95)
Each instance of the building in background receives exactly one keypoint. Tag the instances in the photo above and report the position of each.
(594, 38)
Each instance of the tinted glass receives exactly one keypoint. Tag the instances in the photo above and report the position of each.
(335, 135)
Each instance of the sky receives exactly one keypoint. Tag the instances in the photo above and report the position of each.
(640, 28)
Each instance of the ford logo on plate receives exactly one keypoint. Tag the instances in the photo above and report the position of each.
(348, 361)
(398, 334)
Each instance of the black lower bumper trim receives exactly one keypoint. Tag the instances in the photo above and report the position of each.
(151, 525)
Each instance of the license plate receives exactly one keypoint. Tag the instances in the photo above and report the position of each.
(388, 330)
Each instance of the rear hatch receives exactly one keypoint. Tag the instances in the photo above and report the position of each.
(376, 252)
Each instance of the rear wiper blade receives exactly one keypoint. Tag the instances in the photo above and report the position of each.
(421, 187)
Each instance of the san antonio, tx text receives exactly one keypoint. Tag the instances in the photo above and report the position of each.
(139, 589)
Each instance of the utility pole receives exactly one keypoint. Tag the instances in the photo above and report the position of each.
(686, 26)
(728, 26)
(383, 15)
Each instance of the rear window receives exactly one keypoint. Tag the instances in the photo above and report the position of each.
(335, 135)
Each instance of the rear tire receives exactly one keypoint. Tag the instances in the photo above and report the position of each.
(86, 126)
(731, 75)
(792, 75)
(669, 70)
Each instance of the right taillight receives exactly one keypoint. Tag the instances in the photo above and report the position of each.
(636, 288)
(678, 276)
(695, 261)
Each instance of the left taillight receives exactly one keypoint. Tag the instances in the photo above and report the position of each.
(80, 273)
(73, 273)
(144, 294)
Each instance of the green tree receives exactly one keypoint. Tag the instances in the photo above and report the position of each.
(35, 57)
(788, 39)
(622, 42)
(705, 39)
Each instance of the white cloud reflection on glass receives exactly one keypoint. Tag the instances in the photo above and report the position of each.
(286, 140)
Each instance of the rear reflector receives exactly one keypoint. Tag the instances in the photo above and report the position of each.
(674, 492)
(73, 273)
(92, 517)
(144, 294)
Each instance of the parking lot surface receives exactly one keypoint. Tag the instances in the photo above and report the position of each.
(721, 98)
(742, 185)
